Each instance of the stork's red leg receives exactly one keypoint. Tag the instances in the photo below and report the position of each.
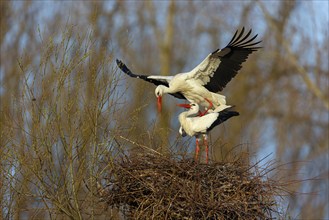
(209, 107)
(205, 142)
(210, 103)
(197, 149)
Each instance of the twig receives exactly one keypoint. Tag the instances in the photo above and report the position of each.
(140, 145)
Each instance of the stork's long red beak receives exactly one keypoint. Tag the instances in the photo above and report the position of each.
(184, 105)
(159, 103)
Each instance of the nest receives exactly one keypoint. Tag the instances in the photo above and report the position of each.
(155, 187)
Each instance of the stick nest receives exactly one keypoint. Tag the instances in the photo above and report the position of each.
(154, 187)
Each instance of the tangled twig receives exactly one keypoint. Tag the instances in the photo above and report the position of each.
(155, 187)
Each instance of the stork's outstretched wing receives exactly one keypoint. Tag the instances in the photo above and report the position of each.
(219, 67)
(156, 80)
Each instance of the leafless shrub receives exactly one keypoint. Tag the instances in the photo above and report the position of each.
(67, 104)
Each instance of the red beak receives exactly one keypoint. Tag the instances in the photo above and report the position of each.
(184, 105)
(159, 103)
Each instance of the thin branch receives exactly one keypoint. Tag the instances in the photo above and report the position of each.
(293, 59)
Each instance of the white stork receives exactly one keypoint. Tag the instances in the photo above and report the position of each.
(201, 84)
(193, 125)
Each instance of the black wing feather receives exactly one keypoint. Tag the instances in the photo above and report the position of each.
(156, 82)
(127, 71)
(223, 116)
(234, 54)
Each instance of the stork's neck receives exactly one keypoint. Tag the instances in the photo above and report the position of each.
(187, 114)
(192, 112)
(165, 89)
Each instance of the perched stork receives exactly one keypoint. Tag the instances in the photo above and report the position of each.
(193, 125)
(202, 84)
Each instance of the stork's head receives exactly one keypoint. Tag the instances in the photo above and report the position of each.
(159, 91)
(193, 107)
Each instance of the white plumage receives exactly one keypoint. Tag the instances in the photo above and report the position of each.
(193, 125)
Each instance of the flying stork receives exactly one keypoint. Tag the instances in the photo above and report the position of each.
(202, 84)
(194, 125)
